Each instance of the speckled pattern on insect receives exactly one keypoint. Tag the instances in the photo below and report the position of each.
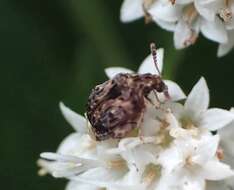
(117, 106)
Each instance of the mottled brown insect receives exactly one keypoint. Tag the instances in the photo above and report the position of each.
(116, 107)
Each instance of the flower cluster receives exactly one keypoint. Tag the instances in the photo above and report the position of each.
(187, 18)
(177, 147)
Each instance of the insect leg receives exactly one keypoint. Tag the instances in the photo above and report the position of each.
(139, 126)
(158, 100)
(149, 100)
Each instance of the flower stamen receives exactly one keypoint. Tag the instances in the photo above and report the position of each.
(189, 161)
(172, 1)
(190, 14)
(225, 14)
(192, 39)
(90, 144)
(117, 164)
(220, 153)
(187, 123)
(146, 5)
(151, 173)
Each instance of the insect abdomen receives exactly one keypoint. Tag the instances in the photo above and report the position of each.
(115, 107)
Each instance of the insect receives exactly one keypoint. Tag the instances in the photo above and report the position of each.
(116, 107)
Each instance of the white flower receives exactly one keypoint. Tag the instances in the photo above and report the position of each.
(191, 18)
(226, 146)
(131, 10)
(210, 9)
(222, 12)
(135, 9)
(195, 113)
(194, 162)
(187, 18)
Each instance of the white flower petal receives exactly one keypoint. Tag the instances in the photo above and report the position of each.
(45, 167)
(174, 91)
(164, 10)
(131, 10)
(184, 35)
(59, 157)
(77, 144)
(127, 144)
(177, 109)
(224, 48)
(227, 184)
(148, 65)
(214, 30)
(171, 120)
(102, 177)
(170, 159)
(113, 71)
(227, 143)
(74, 185)
(215, 118)
(198, 99)
(78, 122)
(67, 166)
(133, 179)
(140, 157)
(70, 144)
(215, 170)
(206, 148)
(183, 1)
(150, 125)
(181, 180)
(208, 9)
(193, 183)
(167, 182)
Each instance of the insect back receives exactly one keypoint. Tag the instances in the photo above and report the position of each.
(117, 106)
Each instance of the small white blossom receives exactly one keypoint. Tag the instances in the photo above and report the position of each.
(195, 113)
(194, 162)
(187, 18)
(227, 154)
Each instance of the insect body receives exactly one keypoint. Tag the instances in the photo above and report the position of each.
(116, 106)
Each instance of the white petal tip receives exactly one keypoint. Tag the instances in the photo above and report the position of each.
(78, 122)
(175, 92)
(63, 108)
(47, 155)
(198, 99)
(113, 71)
(216, 118)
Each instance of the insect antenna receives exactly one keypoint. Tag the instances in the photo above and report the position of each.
(154, 54)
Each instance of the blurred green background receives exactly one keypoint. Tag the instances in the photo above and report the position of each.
(53, 51)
